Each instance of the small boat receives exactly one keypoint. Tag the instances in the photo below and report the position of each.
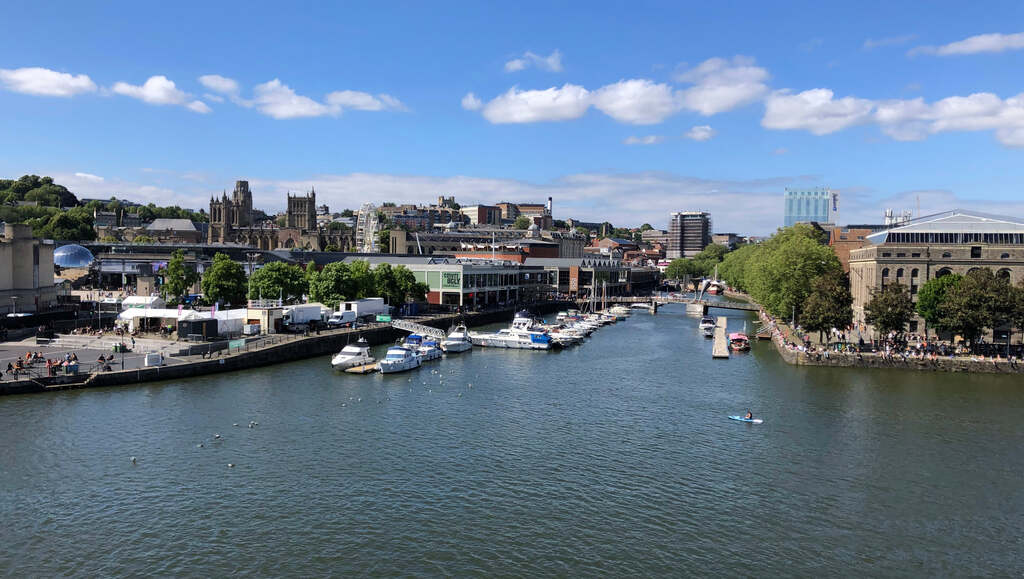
(739, 342)
(708, 322)
(748, 420)
(457, 340)
(357, 354)
(399, 359)
(708, 332)
(430, 350)
(620, 312)
(520, 335)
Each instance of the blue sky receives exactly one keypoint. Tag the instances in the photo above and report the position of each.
(619, 111)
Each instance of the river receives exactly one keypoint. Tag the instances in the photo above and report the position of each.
(613, 458)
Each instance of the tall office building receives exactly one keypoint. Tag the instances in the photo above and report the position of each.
(689, 232)
(820, 204)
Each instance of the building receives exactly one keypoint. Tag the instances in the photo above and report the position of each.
(570, 244)
(231, 221)
(26, 271)
(174, 231)
(483, 214)
(653, 236)
(925, 248)
(845, 239)
(819, 204)
(689, 232)
(729, 240)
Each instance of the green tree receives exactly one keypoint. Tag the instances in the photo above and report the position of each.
(830, 304)
(348, 213)
(980, 300)
(646, 227)
(384, 241)
(1016, 302)
(143, 239)
(522, 222)
(890, 309)
(361, 282)
(224, 281)
(930, 297)
(734, 265)
(278, 279)
(711, 256)
(780, 278)
(331, 285)
(331, 247)
(66, 228)
(387, 285)
(680, 268)
(408, 286)
(178, 277)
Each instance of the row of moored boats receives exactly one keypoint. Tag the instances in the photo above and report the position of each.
(526, 332)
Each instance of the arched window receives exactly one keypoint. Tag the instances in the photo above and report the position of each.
(1004, 273)
(942, 272)
(914, 273)
(1004, 256)
(947, 254)
(899, 273)
(885, 272)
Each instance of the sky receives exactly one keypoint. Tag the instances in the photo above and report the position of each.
(621, 112)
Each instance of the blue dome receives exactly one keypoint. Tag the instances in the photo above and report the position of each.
(72, 255)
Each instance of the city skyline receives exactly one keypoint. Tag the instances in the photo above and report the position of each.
(700, 108)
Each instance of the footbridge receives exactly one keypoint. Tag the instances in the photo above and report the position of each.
(691, 303)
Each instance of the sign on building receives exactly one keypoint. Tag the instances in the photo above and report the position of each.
(574, 278)
(451, 280)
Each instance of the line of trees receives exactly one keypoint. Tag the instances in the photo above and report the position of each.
(699, 265)
(962, 305)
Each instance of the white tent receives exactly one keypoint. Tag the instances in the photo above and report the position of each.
(154, 302)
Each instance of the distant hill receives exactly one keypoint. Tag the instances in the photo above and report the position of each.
(42, 190)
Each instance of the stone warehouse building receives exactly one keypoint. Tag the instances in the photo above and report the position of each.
(231, 221)
(922, 249)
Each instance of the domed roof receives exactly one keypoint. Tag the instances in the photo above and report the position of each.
(72, 255)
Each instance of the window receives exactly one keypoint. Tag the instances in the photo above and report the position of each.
(913, 327)
(887, 254)
(943, 271)
(1004, 256)
(947, 254)
(885, 272)
(914, 273)
(901, 255)
(975, 252)
(915, 255)
(899, 273)
(913, 290)
(860, 237)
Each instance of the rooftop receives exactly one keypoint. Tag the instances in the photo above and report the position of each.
(957, 222)
(163, 224)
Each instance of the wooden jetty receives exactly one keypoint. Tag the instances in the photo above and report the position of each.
(721, 347)
(364, 369)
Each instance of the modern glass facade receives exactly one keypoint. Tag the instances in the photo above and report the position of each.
(805, 205)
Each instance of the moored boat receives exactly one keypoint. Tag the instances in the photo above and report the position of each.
(457, 340)
(357, 354)
(739, 342)
(399, 359)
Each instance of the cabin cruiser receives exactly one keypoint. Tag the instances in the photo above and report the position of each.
(399, 359)
(457, 340)
(707, 322)
(708, 332)
(620, 312)
(520, 335)
(739, 342)
(430, 350)
(357, 354)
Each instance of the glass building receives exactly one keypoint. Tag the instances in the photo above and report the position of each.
(819, 204)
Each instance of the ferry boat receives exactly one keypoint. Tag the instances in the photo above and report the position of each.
(357, 354)
(399, 359)
(739, 342)
(457, 340)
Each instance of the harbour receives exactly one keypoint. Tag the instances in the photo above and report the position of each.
(516, 462)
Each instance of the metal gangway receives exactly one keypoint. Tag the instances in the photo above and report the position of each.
(418, 328)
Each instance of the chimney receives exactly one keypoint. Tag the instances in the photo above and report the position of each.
(548, 207)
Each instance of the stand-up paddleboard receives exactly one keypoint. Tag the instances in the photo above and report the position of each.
(750, 420)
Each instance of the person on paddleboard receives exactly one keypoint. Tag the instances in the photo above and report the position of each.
(749, 416)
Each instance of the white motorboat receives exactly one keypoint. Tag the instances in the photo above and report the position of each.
(520, 335)
(357, 354)
(708, 332)
(620, 312)
(457, 340)
(430, 350)
(399, 359)
(707, 322)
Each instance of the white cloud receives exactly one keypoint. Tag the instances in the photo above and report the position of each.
(89, 177)
(981, 43)
(636, 101)
(815, 111)
(45, 82)
(911, 120)
(721, 85)
(471, 103)
(159, 90)
(219, 84)
(550, 63)
(872, 43)
(279, 101)
(214, 98)
(646, 140)
(361, 101)
(531, 106)
(700, 133)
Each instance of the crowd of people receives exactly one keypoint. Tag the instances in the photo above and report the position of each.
(68, 363)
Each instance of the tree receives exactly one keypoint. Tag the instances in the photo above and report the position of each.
(384, 241)
(890, 309)
(278, 279)
(646, 227)
(522, 222)
(780, 278)
(143, 239)
(711, 256)
(361, 282)
(408, 286)
(1016, 315)
(830, 304)
(178, 277)
(930, 297)
(980, 300)
(387, 284)
(682, 268)
(331, 285)
(224, 281)
(331, 247)
(63, 226)
(348, 213)
(734, 265)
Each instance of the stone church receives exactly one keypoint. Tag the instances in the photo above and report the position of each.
(231, 221)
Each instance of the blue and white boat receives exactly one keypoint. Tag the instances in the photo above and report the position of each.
(399, 359)
(520, 335)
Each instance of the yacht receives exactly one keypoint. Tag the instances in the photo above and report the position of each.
(430, 350)
(620, 312)
(520, 335)
(457, 340)
(707, 322)
(357, 354)
(399, 359)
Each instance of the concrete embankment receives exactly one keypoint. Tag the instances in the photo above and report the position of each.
(253, 356)
(782, 334)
